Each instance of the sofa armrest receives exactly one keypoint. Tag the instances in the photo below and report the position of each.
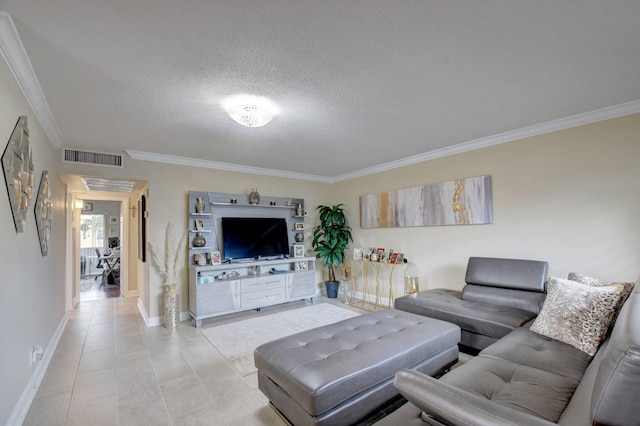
(450, 405)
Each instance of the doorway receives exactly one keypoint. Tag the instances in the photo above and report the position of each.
(100, 250)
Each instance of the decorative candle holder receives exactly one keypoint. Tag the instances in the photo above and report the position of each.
(411, 284)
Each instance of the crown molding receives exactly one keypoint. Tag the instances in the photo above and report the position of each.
(195, 162)
(602, 114)
(17, 60)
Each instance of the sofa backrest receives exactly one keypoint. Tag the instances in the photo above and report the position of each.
(616, 394)
(514, 283)
(516, 274)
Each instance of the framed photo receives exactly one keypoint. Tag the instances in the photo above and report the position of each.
(113, 230)
(345, 272)
(87, 207)
(215, 257)
(366, 254)
(400, 258)
(357, 253)
(300, 266)
(199, 225)
(394, 258)
(298, 250)
(298, 226)
(113, 220)
(381, 254)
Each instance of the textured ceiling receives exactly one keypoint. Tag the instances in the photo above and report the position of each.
(359, 84)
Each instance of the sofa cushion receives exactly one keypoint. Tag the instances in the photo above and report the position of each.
(577, 314)
(529, 275)
(525, 371)
(617, 383)
(481, 318)
(529, 301)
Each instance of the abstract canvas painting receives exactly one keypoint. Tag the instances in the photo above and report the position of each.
(459, 202)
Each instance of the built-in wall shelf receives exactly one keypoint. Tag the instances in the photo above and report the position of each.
(248, 284)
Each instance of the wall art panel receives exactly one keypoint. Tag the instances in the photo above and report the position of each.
(17, 165)
(44, 213)
(458, 202)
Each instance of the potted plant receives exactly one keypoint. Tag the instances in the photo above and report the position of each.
(330, 240)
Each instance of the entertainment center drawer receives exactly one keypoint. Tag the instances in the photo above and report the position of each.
(262, 283)
(258, 299)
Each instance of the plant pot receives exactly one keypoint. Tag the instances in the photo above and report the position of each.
(332, 288)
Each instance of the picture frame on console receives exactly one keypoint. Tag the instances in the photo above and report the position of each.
(215, 258)
(357, 253)
(298, 250)
(199, 224)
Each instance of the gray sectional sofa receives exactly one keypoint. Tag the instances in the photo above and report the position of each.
(499, 296)
(525, 378)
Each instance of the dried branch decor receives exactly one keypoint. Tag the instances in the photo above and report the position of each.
(170, 262)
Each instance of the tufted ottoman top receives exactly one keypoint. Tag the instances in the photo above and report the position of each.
(323, 367)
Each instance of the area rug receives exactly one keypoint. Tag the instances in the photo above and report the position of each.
(236, 341)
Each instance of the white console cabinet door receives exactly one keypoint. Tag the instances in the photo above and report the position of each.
(218, 296)
(301, 285)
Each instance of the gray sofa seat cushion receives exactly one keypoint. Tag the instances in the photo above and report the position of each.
(443, 404)
(523, 379)
(476, 317)
(340, 360)
(523, 346)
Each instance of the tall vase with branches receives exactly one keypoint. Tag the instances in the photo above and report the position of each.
(169, 262)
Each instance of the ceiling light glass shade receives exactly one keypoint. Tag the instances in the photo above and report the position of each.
(250, 115)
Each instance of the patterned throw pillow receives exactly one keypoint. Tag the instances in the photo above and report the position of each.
(577, 314)
(585, 279)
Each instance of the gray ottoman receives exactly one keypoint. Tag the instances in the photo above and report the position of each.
(342, 373)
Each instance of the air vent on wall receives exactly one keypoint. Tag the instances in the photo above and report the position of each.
(91, 157)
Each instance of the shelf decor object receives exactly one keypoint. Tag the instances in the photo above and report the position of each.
(169, 263)
(200, 205)
(17, 165)
(199, 240)
(254, 197)
(44, 213)
(457, 202)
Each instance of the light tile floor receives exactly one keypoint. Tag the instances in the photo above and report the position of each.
(110, 369)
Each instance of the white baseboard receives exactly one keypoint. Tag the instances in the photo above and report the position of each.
(159, 320)
(21, 408)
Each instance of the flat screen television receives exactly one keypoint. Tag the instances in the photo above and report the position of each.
(254, 237)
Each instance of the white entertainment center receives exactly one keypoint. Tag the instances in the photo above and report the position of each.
(219, 289)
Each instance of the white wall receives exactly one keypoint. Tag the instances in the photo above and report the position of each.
(169, 187)
(31, 286)
(570, 197)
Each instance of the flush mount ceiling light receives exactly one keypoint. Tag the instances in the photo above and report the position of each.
(250, 111)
